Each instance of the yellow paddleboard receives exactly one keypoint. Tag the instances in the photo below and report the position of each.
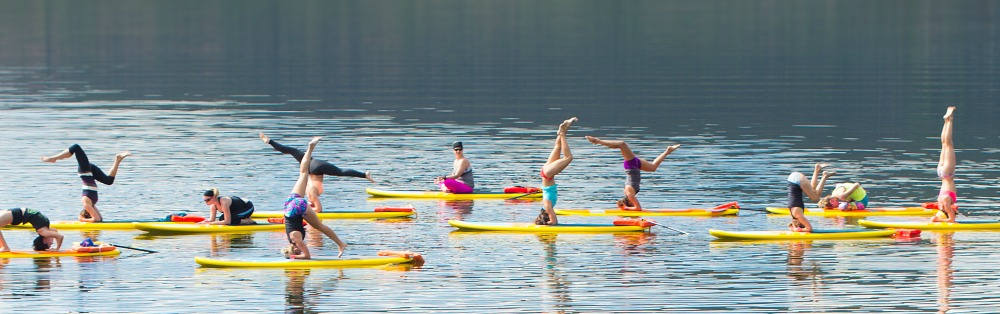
(531, 227)
(874, 211)
(450, 196)
(48, 254)
(789, 235)
(301, 263)
(342, 214)
(104, 225)
(926, 225)
(175, 228)
(649, 212)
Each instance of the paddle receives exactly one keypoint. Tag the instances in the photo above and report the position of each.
(525, 194)
(665, 226)
(133, 248)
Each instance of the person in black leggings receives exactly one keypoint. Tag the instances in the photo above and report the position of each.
(90, 174)
(20, 216)
(317, 169)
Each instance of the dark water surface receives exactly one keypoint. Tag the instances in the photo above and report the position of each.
(751, 89)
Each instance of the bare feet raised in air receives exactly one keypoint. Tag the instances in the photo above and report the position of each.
(672, 148)
(368, 175)
(593, 140)
(949, 113)
(829, 173)
(267, 140)
(820, 165)
(564, 126)
(314, 141)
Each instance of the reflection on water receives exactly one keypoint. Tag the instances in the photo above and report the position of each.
(556, 284)
(454, 209)
(945, 274)
(797, 268)
(750, 88)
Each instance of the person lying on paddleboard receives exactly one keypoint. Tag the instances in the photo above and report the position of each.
(846, 196)
(460, 180)
(553, 166)
(799, 185)
(948, 196)
(235, 210)
(90, 174)
(20, 216)
(297, 210)
(318, 168)
(633, 165)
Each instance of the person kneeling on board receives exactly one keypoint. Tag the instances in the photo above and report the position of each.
(20, 216)
(846, 196)
(235, 210)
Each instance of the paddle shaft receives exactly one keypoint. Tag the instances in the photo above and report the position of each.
(133, 248)
(526, 194)
(665, 226)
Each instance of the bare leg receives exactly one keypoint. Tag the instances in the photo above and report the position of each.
(946, 163)
(118, 160)
(60, 156)
(651, 166)
(946, 170)
(813, 190)
(555, 165)
(316, 223)
(620, 145)
(303, 181)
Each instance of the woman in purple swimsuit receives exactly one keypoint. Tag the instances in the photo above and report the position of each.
(90, 174)
(633, 166)
(297, 210)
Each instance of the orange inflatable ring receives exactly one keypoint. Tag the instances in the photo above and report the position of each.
(728, 205)
(418, 260)
(188, 218)
(394, 209)
(94, 249)
(634, 222)
(521, 189)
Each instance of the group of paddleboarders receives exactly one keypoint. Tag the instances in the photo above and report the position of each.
(851, 196)
(460, 180)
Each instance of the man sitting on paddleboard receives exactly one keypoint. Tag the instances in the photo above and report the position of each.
(20, 216)
(633, 165)
(799, 185)
(460, 180)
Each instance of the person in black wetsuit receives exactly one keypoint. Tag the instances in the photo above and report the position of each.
(90, 174)
(317, 169)
(20, 216)
(235, 210)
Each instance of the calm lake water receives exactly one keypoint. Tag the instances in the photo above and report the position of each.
(752, 90)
